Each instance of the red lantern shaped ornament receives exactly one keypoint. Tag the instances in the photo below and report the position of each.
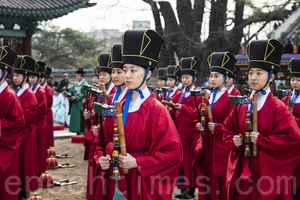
(52, 162)
(47, 180)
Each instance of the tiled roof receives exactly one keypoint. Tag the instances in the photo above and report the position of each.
(40, 9)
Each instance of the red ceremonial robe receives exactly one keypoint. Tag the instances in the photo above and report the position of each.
(152, 139)
(28, 150)
(49, 116)
(215, 153)
(12, 124)
(41, 133)
(93, 168)
(278, 144)
(89, 136)
(174, 97)
(296, 113)
(234, 91)
(190, 137)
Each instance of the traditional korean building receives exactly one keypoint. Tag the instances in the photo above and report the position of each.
(19, 19)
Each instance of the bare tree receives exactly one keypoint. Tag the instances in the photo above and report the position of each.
(225, 33)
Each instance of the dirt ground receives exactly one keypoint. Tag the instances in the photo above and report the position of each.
(79, 173)
(72, 192)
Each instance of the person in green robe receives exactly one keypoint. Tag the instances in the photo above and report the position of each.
(76, 107)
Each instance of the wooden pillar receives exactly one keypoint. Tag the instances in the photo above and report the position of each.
(27, 44)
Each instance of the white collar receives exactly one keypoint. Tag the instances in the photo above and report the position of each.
(123, 93)
(218, 95)
(230, 89)
(135, 105)
(186, 94)
(173, 92)
(110, 87)
(298, 98)
(3, 86)
(23, 89)
(36, 89)
(261, 99)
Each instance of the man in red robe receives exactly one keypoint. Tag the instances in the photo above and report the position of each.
(186, 126)
(28, 150)
(293, 103)
(12, 124)
(154, 150)
(49, 95)
(118, 79)
(173, 93)
(161, 83)
(262, 162)
(231, 88)
(107, 90)
(40, 94)
(215, 155)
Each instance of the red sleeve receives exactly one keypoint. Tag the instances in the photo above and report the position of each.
(191, 111)
(230, 127)
(49, 97)
(41, 108)
(29, 108)
(285, 134)
(165, 153)
(14, 120)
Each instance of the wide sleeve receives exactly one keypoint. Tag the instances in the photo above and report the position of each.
(230, 127)
(280, 146)
(165, 152)
(30, 110)
(41, 107)
(192, 110)
(285, 134)
(14, 121)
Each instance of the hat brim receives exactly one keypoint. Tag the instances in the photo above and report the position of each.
(294, 74)
(117, 65)
(187, 72)
(222, 70)
(104, 69)
(20, 71)
(264, 65)
(140, 61)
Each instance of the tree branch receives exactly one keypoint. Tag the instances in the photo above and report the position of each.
(277, 14)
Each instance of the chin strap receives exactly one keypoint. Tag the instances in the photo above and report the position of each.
(129, 96)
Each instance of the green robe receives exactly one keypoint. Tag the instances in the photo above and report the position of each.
(76, 120)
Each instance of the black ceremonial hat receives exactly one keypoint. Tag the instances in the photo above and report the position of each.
(116, 56)
(142, 48)
(265, 54)
(222, 62)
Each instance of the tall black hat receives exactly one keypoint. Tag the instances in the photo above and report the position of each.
(142, 48)
(48, 72)
(265, 54)
(104, 63)
(40, 68)
(162, 73)
(294, 67)
(7, 58)
(172, 71)
(187, 66)
(24, 64)
(222, 62)
(116, 56)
